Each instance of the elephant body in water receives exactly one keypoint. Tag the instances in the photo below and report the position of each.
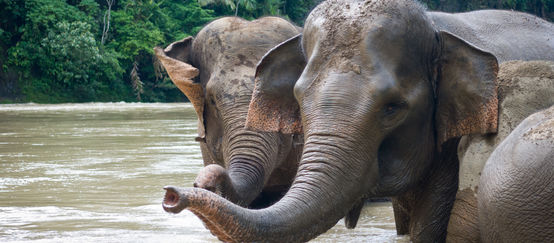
(241, 165)
(382, 95)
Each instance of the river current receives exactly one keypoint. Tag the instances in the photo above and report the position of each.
(94, 172)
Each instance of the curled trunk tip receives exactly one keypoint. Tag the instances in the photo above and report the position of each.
(173, 202)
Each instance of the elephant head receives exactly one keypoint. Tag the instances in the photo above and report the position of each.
(382, 98)
(215, 70)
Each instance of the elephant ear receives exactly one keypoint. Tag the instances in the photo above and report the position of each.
(174, 58)
(273, 107)
(466, 90)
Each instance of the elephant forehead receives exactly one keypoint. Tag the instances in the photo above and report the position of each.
(233, 88)
(341, 10)
(350, 19)
(346, 26)
(234, 31)
(338, 24)
(233, 80)
(239, 42)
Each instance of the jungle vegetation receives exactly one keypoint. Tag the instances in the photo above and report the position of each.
(55, 51)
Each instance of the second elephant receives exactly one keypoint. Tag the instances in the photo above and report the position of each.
(215, 70)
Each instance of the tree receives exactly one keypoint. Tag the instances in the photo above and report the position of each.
(101, 50)
(106, 19)
(58, 58)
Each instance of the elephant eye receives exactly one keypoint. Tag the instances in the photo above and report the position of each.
(391, 108)
(394, 113)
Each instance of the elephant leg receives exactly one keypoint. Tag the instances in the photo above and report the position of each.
(463, 225)
(401, 208)
(351, 218)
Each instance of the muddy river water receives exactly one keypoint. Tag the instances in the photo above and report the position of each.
(94, 173)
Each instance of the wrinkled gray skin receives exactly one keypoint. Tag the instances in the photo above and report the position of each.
(524, 87)
(520, 37)
(383, 96)
(515, 197)
(241, 165)
(509, 35)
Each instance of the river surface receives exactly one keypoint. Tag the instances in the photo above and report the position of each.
(94, 173)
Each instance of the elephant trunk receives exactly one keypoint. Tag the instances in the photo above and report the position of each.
(320, 196)
(249, 157)
(252, 158)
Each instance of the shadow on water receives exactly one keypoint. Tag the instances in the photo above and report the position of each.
(94, 173)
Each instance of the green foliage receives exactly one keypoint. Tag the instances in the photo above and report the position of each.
(294, 10)
(229, 3)
(69, 50)
(58, 58)
(89, 7)
(135, 35)
(138, 26)
(184, 18)
(70, 55)
(101, 50)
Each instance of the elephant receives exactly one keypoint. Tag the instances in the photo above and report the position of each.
(215, 70)
(382, 95)
(481, 29)
(507, 211)
(523, 89)
(515, 198)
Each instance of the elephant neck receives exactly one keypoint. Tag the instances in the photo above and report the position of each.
(428, 205)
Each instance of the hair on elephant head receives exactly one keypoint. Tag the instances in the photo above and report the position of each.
(215, 70)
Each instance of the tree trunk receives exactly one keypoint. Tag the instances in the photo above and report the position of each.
(106, 27)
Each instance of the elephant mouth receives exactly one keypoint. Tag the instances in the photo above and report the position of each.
(172, 200)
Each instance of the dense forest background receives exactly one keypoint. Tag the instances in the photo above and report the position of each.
(56, 51)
